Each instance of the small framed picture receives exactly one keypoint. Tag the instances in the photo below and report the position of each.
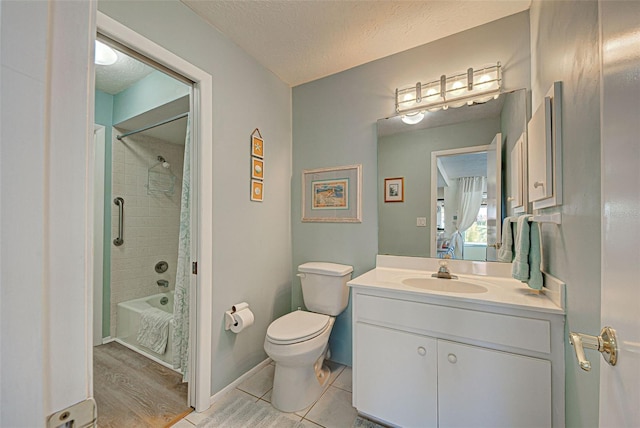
(257, 168)
(257, 190)
(257, 146)
(394, 189)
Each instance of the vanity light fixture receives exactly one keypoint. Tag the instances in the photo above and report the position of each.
(474, 86)
(105, 55)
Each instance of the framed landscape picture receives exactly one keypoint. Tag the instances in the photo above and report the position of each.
(332, 194)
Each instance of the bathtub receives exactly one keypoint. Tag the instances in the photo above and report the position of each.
(128, 322)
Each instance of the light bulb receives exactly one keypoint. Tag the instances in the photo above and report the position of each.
(408, 100)
(487, 82)
(483, 82)
(104, 54)
(433, 96)
(413, 118)
(457, 88)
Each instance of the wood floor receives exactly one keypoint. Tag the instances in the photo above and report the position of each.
(134, 391)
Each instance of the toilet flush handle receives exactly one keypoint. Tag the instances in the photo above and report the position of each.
(300, 275)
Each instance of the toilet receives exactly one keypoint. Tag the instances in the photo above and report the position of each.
(298, 342)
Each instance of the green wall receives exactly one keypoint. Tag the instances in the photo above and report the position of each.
(153, 91)
(334, 123)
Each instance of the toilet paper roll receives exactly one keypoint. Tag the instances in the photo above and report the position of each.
(243, 319)
(239, 306)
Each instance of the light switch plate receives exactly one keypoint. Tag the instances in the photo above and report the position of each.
(421, 222)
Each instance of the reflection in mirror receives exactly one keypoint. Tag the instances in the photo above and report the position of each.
(463, 184)
(407, 151)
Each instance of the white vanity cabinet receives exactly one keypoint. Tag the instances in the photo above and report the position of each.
(426, 362)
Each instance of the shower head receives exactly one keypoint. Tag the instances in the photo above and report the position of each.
(165, 164)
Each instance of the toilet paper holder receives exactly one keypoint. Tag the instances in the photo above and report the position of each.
(229, 319)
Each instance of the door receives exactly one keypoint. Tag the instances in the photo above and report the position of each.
(620, 384)
(494, 200)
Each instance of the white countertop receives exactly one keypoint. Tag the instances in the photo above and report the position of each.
(501, 291)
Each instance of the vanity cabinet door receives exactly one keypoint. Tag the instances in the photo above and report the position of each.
(484, 388)
(396, 376)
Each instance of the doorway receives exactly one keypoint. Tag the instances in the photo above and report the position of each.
(201, 210)
(146, 252)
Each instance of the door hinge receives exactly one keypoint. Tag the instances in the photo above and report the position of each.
(194, 268)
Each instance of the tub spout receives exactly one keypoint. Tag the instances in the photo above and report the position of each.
(162, 283)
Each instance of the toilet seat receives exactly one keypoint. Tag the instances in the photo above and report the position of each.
(296, 327)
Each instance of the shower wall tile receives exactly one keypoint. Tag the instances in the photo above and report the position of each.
(151, 221)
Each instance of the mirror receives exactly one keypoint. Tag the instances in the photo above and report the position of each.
(458, 142)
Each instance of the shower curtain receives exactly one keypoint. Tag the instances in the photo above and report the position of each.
(180, 337)
(469, 202)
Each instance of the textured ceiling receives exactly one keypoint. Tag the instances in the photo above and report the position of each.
(304, 40)
(117, 77)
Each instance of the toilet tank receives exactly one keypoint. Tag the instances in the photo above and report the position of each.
(324, 286)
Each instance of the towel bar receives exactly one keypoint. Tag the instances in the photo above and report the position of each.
(555, 218)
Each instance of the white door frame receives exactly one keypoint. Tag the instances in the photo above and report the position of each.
(98, 227)
(202, 184)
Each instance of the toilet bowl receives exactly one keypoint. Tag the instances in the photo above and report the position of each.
(300, 376)
(298, 342)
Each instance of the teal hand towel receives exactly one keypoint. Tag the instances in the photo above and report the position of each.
(535, 280)
(520, 266)
(505, 253)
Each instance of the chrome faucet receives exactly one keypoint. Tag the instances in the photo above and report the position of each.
(444, 272)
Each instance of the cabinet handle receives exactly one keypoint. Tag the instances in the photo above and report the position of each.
(452, 358)
(538, 184)
(422, 351)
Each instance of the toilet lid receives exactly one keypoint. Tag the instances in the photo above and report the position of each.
(297, 327)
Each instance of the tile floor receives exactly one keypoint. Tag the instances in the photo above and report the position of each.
(333, 408)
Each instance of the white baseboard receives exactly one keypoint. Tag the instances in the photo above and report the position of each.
(107, 339)
(146, 354)
(227, 389)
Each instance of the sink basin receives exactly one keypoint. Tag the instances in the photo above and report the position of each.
(446, 285)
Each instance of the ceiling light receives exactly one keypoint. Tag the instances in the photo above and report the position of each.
(450, 91)
(104, 54)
